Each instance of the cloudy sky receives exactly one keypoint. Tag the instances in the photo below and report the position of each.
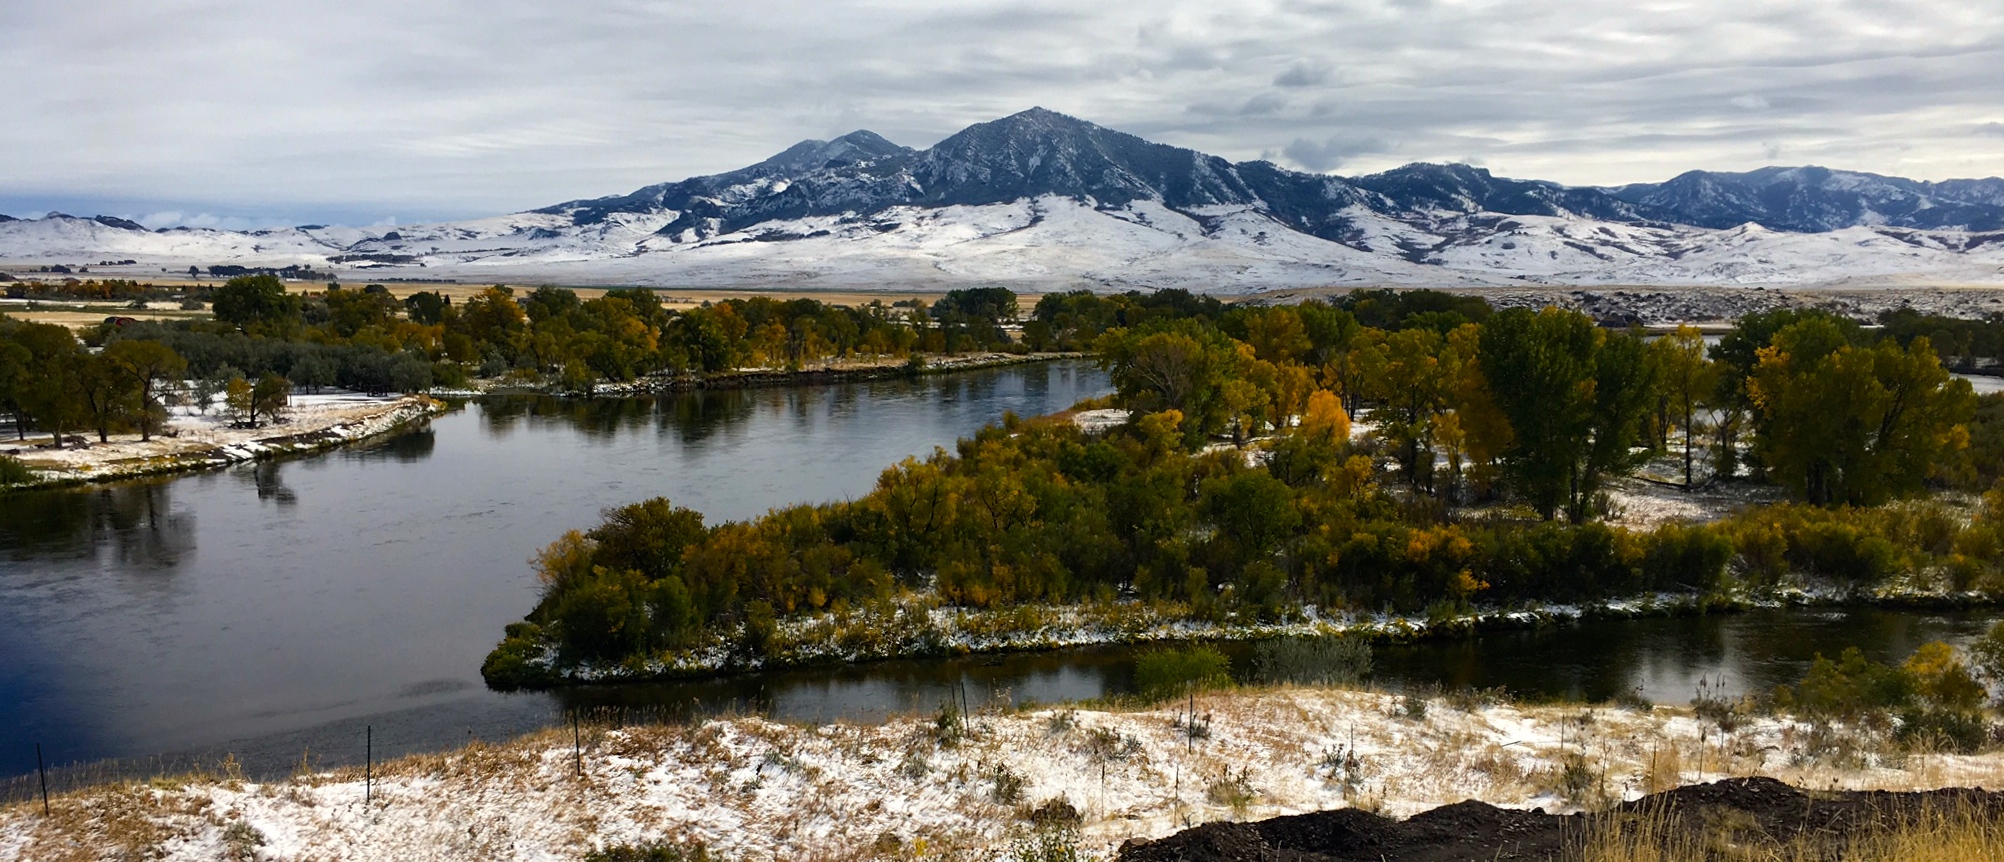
(240, 112)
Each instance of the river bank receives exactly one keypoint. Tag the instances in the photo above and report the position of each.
(841, 371)
(920, 627)
(205, 440)
(937, 787)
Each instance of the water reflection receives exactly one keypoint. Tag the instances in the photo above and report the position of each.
(131, 526)
(365, 586)
(408, 448)
(267, 478)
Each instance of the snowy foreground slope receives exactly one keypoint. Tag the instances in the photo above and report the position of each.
(912, 788)
(1044, 201)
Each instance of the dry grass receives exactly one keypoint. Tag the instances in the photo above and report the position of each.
(1952, 833)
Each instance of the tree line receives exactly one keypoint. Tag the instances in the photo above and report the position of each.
(1464, 405)
(122, 375)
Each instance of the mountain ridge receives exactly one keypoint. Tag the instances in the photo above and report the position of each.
(1046, 199)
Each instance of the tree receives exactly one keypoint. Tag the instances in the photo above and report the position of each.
(271, 397)
(146, 364)
(1176, 367)
(427, 307)
(110, 396)
(1735, 357)
(1574, 396)
(15, 374)
(240, 402)
(253, 300)
(52, 393)
(1402, 371)
(1855, 425)
(1689, 380)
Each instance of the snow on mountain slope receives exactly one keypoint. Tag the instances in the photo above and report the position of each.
(1045, 201)
(60, 238)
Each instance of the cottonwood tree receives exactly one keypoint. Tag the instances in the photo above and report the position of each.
(53, 390)
(260, 301)
(110, 397)
(1855, 425)
(146, 364)
(271, 397)
(1689, 379)
(1574, 395)
(15, 362)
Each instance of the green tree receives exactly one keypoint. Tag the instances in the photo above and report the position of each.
(1689, 381)
(1574, 396)
(146, 364)
(1735, 358)
(270, 398)
(15, 373)
(52, 393)
(1252, 510)
(427, 307)
(1855, 425)
(1180, 367)
(253, 300)
(110, 396)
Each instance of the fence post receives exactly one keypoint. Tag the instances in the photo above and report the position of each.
(577, 745)
(44, 772)
(368, 764)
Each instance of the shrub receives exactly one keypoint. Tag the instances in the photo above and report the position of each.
(513, 664)
(1164, 673)
(654, 852)
(1008, 788)
(13, 472)
(1056, 843)
(1989, 653)
(1849, 688)
(1844, 551)
(1695, 557)
(1313, 661)
(1961, 732)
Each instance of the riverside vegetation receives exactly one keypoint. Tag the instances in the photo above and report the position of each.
(263, 340)
(1237, 499)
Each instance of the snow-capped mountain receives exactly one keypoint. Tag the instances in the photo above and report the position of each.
(1046, 201)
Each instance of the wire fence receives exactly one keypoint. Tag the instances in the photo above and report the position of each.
(379, 742)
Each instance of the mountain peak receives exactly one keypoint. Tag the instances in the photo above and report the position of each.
(861, 145)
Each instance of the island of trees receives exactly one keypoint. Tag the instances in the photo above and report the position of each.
(1240, 494)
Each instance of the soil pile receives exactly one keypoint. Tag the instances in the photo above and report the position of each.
(1748, 812)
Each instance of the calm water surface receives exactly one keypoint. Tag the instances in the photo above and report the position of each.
(278, 609)
(277, 605)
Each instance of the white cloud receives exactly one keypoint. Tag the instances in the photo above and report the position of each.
(156, 221)
(466, 107)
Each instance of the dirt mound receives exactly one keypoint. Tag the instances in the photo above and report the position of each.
(1746, 812)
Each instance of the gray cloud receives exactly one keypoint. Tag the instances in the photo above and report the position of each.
(1331, 153)
(358, 110)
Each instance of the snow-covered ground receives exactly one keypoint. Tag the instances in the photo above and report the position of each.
(1047, 243)
(752, 789)
(197, 438)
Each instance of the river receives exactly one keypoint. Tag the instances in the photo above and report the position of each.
(276, 610)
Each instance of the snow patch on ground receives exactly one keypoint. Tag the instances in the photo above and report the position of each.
(194, 439)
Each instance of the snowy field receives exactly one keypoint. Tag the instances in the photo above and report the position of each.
(922, 788)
